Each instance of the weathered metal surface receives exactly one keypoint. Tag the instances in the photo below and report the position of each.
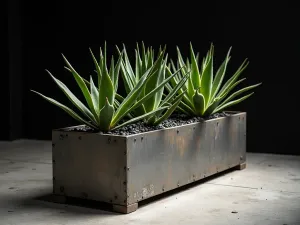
(163, 160)
(125, 170)
(90, 166)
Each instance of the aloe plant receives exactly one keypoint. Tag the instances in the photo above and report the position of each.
(144, 60)
(205, 92)
(103, 111)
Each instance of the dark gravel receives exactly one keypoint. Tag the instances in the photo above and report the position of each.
(140, 127)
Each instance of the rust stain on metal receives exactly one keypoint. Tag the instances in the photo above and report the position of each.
(217, 130)
(170, 140)
(181, 145)
(233, 130)
(146, 192)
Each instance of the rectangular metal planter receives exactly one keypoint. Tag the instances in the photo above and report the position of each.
(123, 170)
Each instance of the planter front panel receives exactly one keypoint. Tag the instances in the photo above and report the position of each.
(162, 160)
(89, 166)
(124, 170)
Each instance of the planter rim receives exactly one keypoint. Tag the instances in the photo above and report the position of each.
(234, 113)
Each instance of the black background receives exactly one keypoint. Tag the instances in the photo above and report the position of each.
(39, 31)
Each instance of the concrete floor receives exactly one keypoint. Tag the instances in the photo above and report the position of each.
(267, 192)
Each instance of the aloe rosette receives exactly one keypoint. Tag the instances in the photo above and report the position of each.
(103, 111)
(205, 94)
(144, 60)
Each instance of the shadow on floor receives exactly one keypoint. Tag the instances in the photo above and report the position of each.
(84, 207)
(72, 205)
(184, 188)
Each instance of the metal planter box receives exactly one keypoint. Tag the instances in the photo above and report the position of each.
(123, 170)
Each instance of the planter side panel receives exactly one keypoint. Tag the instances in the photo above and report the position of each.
(163, 160)
(89, 166)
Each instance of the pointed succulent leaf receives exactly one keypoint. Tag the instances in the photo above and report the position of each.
(236, 75)
(140, 117)
(181, 61)
(106, 90)
(112, 70)
(117, 72)
(230, 89)
(94, 95)
(144, 57)
(170, 110)
(153, 82)
(160, 79)
(104, 68)
(137, 66)
(206, 80)
(128, 68)
(212, 107)
(116, 103)
(239, 92)
(189, 85)
(174, 81)
(186, 108)
(101, 61)
(76, 102)
(140, 63)
(168, 88)
(130, 99)
(195, 74)
(98, 69)
(220, 76)
(106, 115)
(199, 103)
(124, 111)
(154, 91)
(119, 97)
(67, 110)
(82, 86)
(176, 89)
(126, 78)
(149, 58)
(231, 103)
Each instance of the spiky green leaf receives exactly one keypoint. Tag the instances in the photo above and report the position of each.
(195, 74)
(98, 69)
(82, 86)
(106, 90)
(128, 68)
(199, 103)
(131, 98)
(117, 72)
(206, 80)
(236, 75)
(74, 99)
(67, 110)
(231, 103)
(230, 89)
(176, 89)
(112, 70)
(140, 117)
(220, 76)
(106, 115)
(153, 82)
(160, 79)
(94, 95)
(239, 92)
(168, 113)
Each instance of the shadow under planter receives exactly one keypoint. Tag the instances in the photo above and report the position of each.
(124, 170)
